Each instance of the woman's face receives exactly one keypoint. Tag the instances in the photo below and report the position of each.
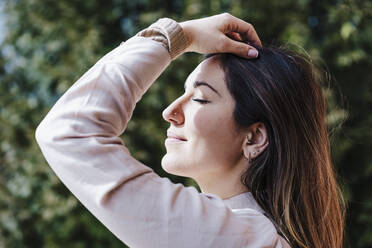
(209, 142)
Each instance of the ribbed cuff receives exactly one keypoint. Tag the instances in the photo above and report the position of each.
(173, 36)
(177, 42)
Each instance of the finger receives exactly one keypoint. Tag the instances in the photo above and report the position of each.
(241, 49)
(234, 36)
(246, 31)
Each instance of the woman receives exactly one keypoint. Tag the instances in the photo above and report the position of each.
(250, 132)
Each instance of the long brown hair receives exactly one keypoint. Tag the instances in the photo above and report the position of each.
(293, 180)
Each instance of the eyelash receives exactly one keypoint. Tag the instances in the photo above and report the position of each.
(201, 101)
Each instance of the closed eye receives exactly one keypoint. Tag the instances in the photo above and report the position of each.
(201, 101)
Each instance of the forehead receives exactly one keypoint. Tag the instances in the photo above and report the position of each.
(210, 71)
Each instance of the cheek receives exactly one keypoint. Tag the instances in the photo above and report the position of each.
(214, 127)
(216, 138)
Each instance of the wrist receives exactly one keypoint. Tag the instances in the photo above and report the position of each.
(186, 28)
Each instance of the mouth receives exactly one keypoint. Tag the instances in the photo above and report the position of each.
(173, 141)
(175, 137)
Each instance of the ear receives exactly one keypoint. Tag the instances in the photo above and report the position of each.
(256, 140)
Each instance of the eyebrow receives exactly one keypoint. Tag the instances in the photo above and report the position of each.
(201, 83)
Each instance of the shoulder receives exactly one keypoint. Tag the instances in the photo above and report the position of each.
(255, 229)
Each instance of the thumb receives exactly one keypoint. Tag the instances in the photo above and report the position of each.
(242, 49)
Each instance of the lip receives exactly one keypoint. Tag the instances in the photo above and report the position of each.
(175, 137)
(171, 140)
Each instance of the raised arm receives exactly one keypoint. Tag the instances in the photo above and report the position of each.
(80, 140)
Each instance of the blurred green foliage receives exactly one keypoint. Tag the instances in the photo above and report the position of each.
(49, 44)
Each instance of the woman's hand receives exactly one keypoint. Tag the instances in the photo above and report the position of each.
(221, 33)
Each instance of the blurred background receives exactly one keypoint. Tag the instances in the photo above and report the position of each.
(46, 45)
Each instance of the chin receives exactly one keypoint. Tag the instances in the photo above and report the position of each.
(173, 165)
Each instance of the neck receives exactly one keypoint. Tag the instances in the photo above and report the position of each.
(225, 184)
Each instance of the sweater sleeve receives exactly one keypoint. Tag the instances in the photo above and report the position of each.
(80, 140)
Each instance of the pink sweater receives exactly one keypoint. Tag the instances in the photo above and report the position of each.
(80, 140)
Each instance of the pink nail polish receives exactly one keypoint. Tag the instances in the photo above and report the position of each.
(252, 53)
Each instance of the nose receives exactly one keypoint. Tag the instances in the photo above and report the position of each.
(174, 113)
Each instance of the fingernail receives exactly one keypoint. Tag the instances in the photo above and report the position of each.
(252, 53)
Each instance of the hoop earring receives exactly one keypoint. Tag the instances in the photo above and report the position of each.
(249, 142)
(248, 158)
